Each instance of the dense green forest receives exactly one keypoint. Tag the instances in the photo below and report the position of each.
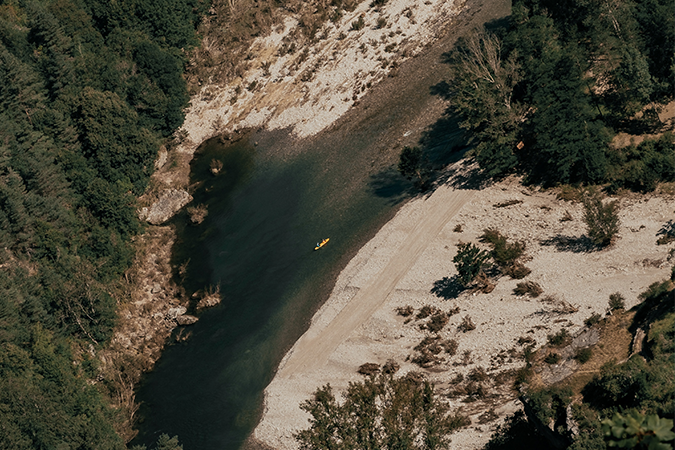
(545, 94)
(89, 92)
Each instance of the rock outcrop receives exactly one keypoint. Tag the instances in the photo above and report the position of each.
(169, 203)
(186, 319)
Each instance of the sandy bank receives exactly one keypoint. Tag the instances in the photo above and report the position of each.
(400, 265)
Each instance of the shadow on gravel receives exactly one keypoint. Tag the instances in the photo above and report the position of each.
(582, 244)
(447, 288)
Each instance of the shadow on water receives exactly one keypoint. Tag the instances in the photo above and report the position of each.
(237, 160)
(391, 185)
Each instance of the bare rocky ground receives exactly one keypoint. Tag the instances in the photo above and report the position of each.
(576, 280)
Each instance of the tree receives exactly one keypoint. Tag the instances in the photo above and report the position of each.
(602, 219)
(638, 431)
(379, 413)
(483, 96)
(469, 262)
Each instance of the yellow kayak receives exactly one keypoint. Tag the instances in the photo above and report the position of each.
(322, 243)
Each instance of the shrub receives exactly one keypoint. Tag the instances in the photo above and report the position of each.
(466, 325)
(450, 347)
(458, 228)
(478, 374)
(414, 165)
(526, 340)
(517, 271)
(437, 322)
(602, 220)
(592, 319)
(522, 375)
(528, 288)
(425, 312)
(616, 301)
(582, 355)
(552, 358)
(469, 262)
(390, 367)
(369, 369)
(358, 24)
(475, 391)
(560, 338)
(405, 311)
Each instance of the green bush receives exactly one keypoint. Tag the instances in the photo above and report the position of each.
(592, 319)
(583, 355)
(530, 288)
(469, 262)
(616, 301)
(552, 358)
(602, 220)
(380, 412)
(560, 338)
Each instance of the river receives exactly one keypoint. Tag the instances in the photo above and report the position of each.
(267, 209)
(275, 198)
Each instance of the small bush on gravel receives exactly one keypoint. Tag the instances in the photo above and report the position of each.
(526, 340)
(528, 288)
(369, 369)
(517, 271)
(466, 325)
(522, 376)
(560, 338)
(405, 311)
(390, 367)
(358, 24)
(504, 253)
(552, 358)
(592, 319)
(457, 379)
(450, 347)
(437, 322)
(616, 301)
(602, 220)
(425, 312)
(469, 262)
(475, 391)
(583, 355)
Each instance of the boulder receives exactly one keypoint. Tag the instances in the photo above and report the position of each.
(172, 313)
(169, 203)
(209, 301)
(186, 319)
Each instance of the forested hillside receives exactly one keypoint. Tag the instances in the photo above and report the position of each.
(88, 93)
(546, 94)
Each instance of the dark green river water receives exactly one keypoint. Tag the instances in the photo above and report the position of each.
(266, 212)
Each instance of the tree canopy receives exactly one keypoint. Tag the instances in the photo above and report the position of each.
(88, 92)
(546, 94)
